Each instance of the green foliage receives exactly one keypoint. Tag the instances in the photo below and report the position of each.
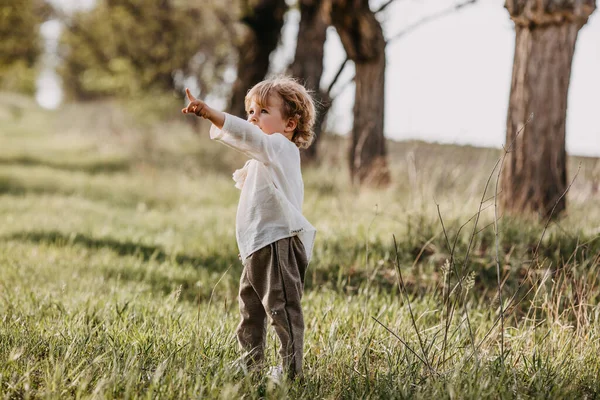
(132, 47)
(20, 47)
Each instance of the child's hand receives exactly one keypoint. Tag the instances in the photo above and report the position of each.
(196, 106)
(201, 109)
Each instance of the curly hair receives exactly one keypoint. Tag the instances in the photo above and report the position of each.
(297, 103)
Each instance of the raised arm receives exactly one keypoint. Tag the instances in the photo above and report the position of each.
(247, 138)
(240, 134)
(201, 109)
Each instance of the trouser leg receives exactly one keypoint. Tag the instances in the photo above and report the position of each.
(277, 276)
(251, 331)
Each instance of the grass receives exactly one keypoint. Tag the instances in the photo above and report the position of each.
(119, 270)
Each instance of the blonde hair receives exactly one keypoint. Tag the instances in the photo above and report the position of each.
(297, 104)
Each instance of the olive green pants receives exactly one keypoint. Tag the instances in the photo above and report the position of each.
(271, 285)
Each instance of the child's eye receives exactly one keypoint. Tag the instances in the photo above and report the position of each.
(250, 112)
(264, 111)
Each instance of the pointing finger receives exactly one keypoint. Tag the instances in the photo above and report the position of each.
(189, 94)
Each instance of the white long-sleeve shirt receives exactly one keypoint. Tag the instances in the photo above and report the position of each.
(272, 190)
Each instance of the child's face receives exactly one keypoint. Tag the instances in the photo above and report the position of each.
(269, 117)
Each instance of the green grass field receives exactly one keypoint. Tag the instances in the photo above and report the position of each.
(119, 269)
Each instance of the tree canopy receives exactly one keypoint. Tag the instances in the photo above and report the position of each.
(130, 47)
(21, 45)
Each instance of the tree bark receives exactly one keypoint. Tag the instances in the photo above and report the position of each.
(363, 41)
(534, 176)
(263, 20)
(308, 61)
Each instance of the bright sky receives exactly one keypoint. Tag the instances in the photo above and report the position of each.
(449, 80)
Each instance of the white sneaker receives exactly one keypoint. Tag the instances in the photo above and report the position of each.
(275, 374)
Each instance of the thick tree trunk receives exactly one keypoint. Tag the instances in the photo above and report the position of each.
(363, 40)
(308, 61)
(368, 164)
(535, 172)
(264, 20)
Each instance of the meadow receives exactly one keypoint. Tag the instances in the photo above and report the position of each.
(119, 269)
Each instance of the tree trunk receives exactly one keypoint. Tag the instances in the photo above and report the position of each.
(534, 175)
(264, 20)
(363, 41)
(308, 61)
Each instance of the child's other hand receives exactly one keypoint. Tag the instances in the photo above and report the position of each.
(196, 106)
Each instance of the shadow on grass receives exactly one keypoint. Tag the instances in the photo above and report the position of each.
(91, 167)
(12, 186)
(162, 280)
(18, 187)
(122, 248)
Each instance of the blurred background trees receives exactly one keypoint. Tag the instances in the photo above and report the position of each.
(21, 44)
(262, 21)
(363, 40)
(220, 48)
(131, 47)
(127, 48)
(308, 60)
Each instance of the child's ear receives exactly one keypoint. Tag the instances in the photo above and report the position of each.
(292, 124)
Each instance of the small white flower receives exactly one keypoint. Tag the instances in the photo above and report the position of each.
(239, 176)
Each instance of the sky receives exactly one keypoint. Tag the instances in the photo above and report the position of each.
(447, 81)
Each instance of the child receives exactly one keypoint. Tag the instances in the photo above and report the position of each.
(274, 239)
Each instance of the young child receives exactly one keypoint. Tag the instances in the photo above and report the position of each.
(274, 239)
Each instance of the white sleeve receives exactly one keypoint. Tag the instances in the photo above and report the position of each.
(249, 139)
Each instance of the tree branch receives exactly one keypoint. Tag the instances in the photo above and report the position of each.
(337, 76)
(430, 18)
(410, 28)
(384, 6)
